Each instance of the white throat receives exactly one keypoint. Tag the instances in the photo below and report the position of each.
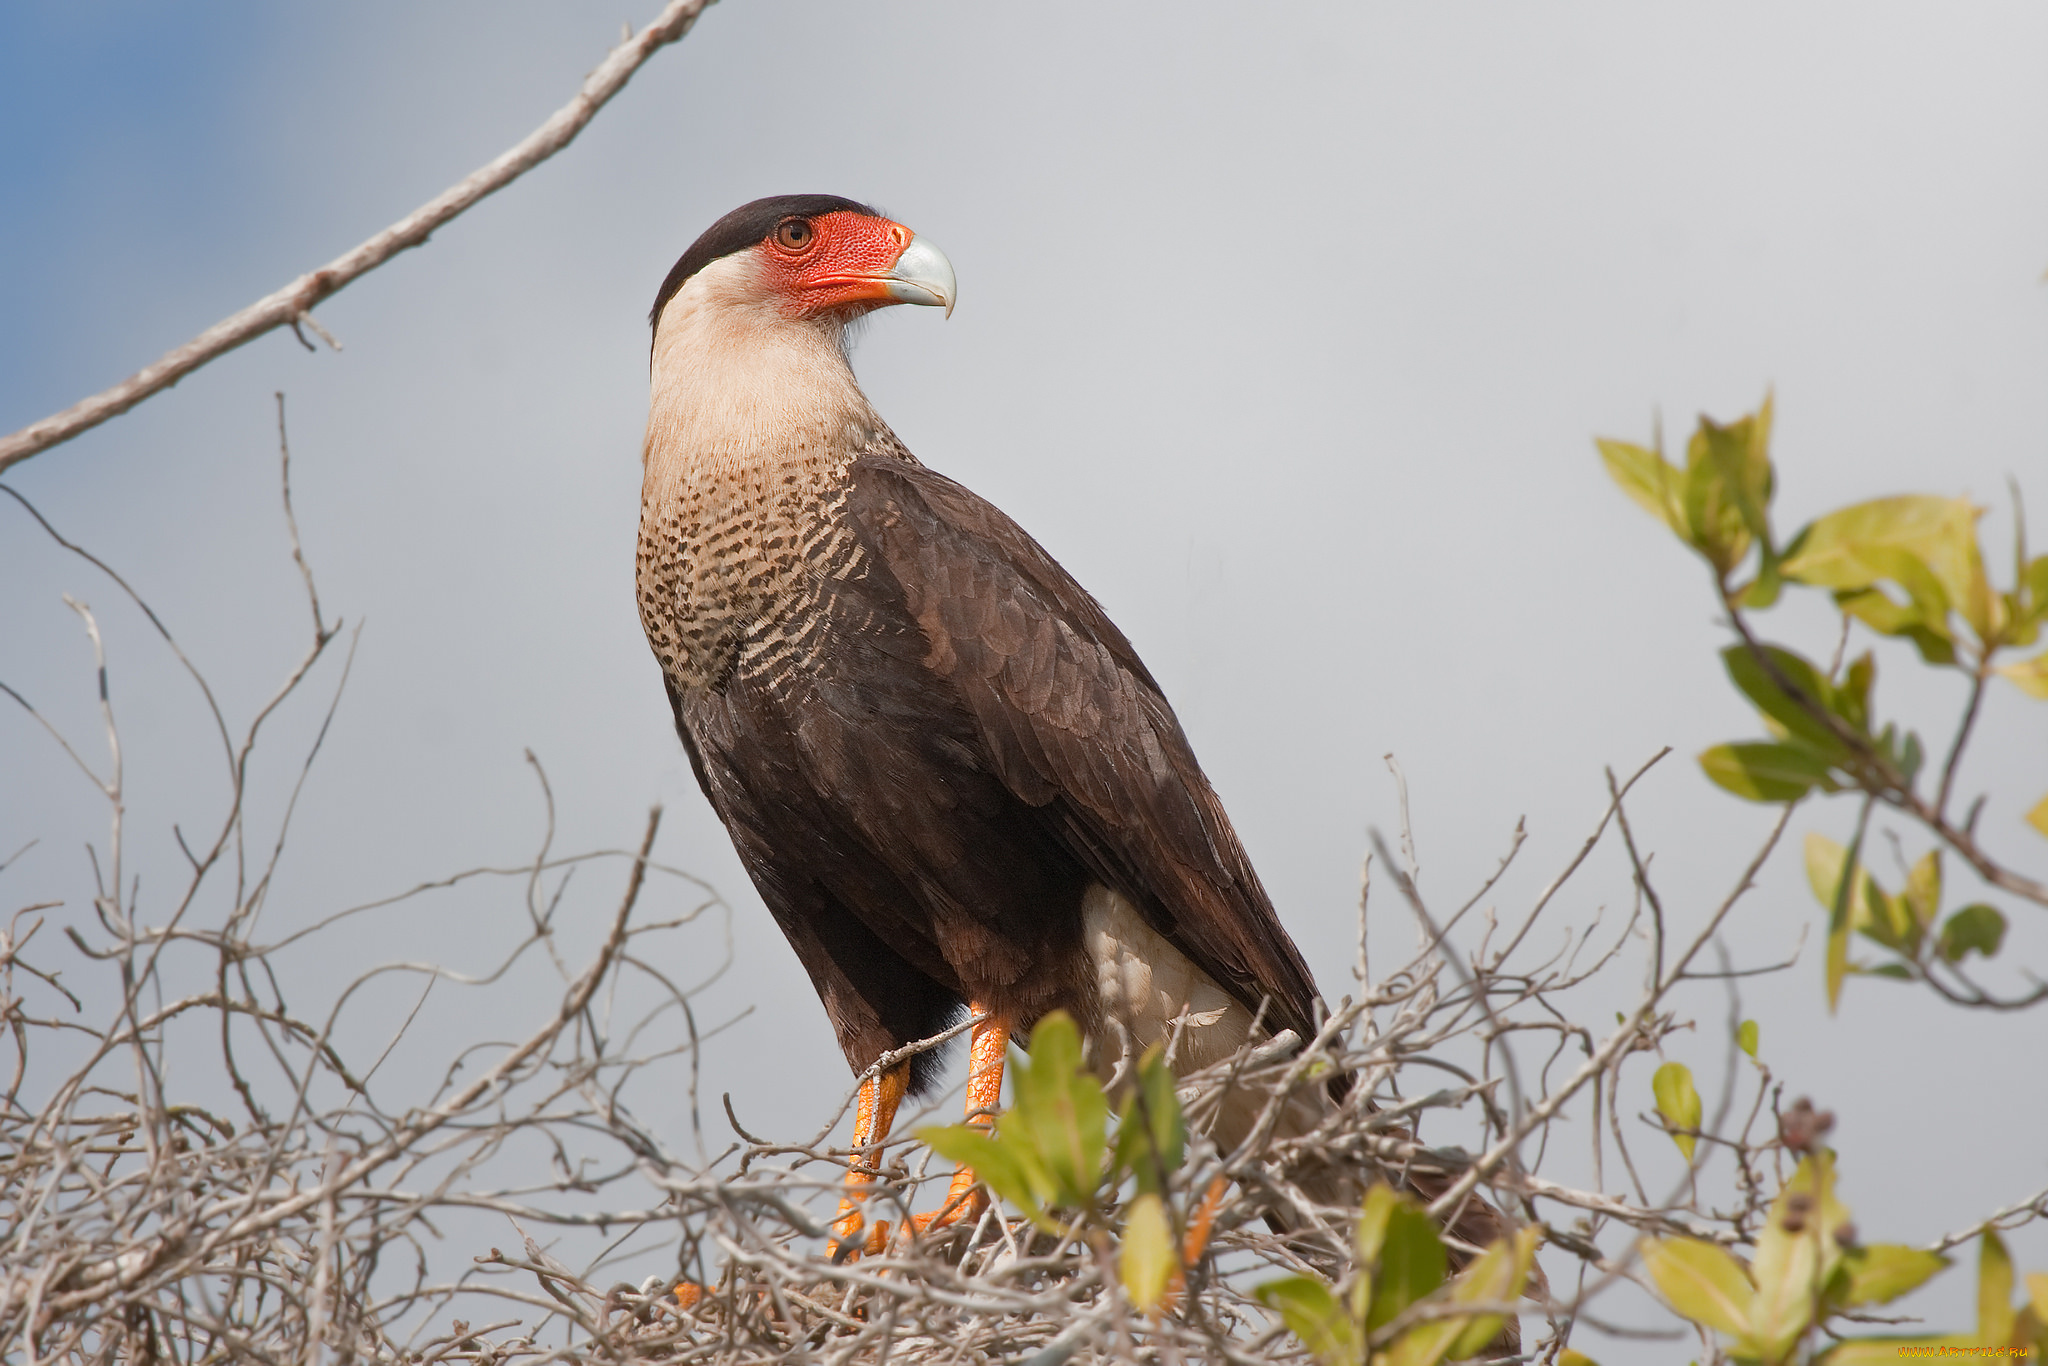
(739, 385)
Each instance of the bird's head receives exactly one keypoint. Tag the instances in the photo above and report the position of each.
(809, 258)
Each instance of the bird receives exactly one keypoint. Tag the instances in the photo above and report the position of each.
(957, 788)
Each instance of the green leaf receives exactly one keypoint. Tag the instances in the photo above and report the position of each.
(1934, 646)
(1852, 694)
(1905, 755)
(1974, 929)
(2023, 628)
(1151, 1137)
(1048, 1147)
(1572, 1356)
(1745, 1037)
(1925, 589)
(1994, 1292)
(1311, 1311)
(1869, 909)
(1880, 613)
(1764, 590)
(1059, 1112)
(1754, 677)
(1882, 1272)
(1368, 1239)
(1760, 771)
(1835, 965)
(1786, 1287)
(1739, 456)
(1005, 1168)
(1702, 1282)
(1713, 492)
(1646, 477)
(2033, 582)
(1741, 450)
(1824, 860)
(1922, 618)
(1823, 873)
(1921, 897)
(1496, 1274)
(1149, 1258)
(2038, 817)
(1400, 1251)
(1381, 1200)
(1678, 1102)
(1859, 546)
(1796, 1254)
(1887, 919)
(2031, 675)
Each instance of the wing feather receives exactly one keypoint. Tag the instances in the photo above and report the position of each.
(1075, 726)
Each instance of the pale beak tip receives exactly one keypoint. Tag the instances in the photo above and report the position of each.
(923, 275)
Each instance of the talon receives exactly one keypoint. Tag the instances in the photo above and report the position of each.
(988, 1046)
(873, 1113)
(1200, 1226)
(959, 1207)
(847, 1242)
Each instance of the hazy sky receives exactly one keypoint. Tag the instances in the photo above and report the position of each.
(1287, 331)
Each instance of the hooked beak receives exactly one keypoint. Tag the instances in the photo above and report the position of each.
(922, 275)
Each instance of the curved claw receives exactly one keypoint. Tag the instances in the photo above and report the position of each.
(964, 1200)
(873, 1114)
(855, 1239)
(852, 1236)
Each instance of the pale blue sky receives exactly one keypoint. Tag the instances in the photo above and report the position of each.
(1289, 336)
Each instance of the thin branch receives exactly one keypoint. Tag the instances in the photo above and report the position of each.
(291, 522)
(1962, 740)
(292, 304)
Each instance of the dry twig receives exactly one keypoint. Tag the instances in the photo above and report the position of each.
(292, 305)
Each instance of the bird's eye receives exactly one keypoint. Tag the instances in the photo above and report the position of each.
(793, 234)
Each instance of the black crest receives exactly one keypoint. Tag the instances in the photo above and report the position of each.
(742, 228)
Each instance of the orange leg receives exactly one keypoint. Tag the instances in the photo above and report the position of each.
(1196, 1242)
(988, 1048)
(873, 1113)
(1205, 1220)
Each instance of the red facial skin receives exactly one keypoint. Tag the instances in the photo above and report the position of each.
(844, 265)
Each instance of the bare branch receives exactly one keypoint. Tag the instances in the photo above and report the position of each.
(293, 303)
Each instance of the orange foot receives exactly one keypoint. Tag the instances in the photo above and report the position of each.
(1200, 1226)
(875, 1111)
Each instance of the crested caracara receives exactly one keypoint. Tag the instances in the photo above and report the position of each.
(947, 771)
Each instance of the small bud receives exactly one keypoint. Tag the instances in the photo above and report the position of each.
(1801, 1126)
(1845, 1236)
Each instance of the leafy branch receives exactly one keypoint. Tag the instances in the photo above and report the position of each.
(1909, 567)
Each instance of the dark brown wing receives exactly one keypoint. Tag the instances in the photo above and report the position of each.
(880, 986)
(1075, 726)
